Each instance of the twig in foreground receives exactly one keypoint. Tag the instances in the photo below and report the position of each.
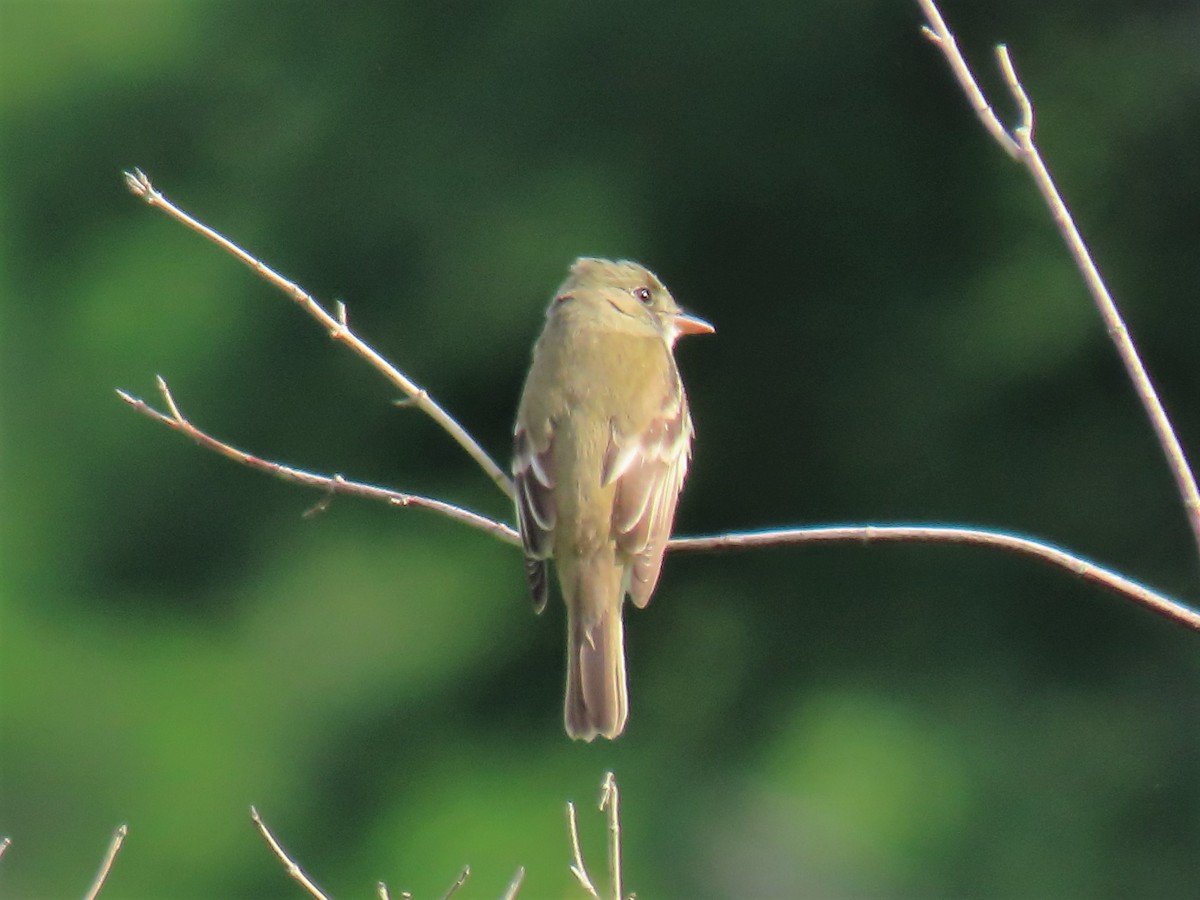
(337, 326)
(578, 867)
(293, 870)
(610, 800)
(4, 845)
(945, 534)
(1019, 144)
(110, 856)
(610, 803)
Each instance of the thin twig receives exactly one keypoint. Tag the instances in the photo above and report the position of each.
(110, 855)
(1019, 144)
(332, 484)
(610, 799)
(5, 843)
(458, 882)
(381, 891)
(941, 534)
(293, 870)
(578, 867)
(515, 885)
(335, 325)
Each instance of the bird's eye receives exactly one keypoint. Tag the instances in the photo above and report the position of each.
(643, 294)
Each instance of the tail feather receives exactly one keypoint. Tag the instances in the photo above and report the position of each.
(597, 698)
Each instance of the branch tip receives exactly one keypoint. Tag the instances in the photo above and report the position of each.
(168, 399)
(514, 885)
(458, 883)
(290, 866)
(139, 185)
(110, 856)
(1025, 128)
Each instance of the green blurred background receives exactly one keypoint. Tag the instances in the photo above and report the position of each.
(901, 337)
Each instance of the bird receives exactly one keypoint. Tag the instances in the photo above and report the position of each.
(601, 446)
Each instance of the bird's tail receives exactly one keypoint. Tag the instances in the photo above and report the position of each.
(597, 699)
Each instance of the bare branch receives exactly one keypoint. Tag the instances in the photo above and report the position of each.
(937, 32)
(610, 802)
(338, 327)
(110, 856)
(578, 867)
(5, 843)
(938, 534)
(336, 484)
(335, 325)
(1020, 146)
(332, 484)
(293, 870)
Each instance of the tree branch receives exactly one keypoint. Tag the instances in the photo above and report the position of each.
(331, 484)
(1020, 146)
(337, 326)
(938, 33)
(865, 534)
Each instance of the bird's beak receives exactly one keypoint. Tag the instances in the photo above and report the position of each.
(689, 324)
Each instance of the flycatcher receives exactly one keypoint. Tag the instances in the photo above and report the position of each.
(600, 449)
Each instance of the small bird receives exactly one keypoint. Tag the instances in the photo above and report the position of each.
(600, 449)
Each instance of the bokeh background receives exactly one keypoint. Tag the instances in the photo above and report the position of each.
(901, 337)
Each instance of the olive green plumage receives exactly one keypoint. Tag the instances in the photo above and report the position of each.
(601, 447)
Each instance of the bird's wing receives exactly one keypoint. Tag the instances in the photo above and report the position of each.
(648, 470)
(533, 475)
